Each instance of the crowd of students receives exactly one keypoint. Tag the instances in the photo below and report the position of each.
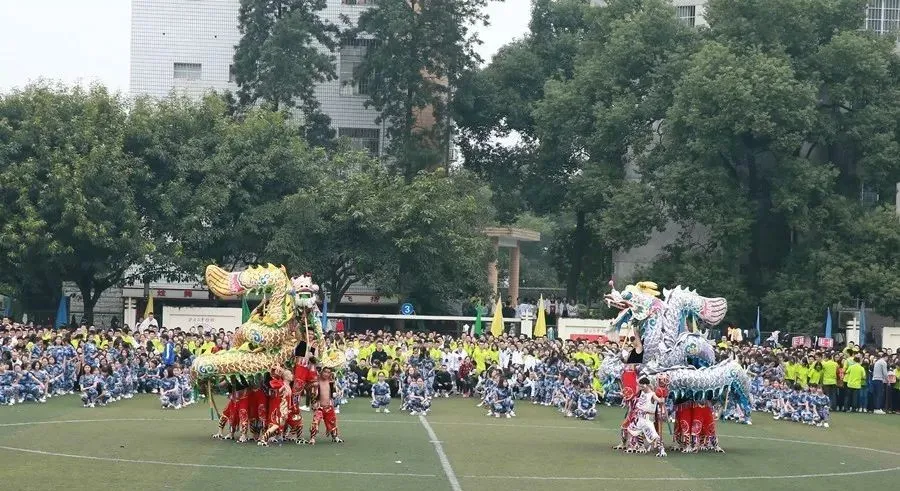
(105, 365)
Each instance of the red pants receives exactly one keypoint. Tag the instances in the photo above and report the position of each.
(694, 424)
(236, 413)
(284, 416)
(257, 405)
(327, 415)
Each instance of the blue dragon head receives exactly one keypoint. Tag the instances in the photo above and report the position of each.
(636, 302)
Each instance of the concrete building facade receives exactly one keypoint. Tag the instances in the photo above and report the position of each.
(186, 47)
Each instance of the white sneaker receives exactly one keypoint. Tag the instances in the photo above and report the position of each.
(512, 413)
(304, 408)
(508, 415)
(177, 406)
(386, 410)
(413, 413)
(490, 413)
(43, 400)
(377, 409)
(825, 425)
(878, 411)
(337, 410)
(497, 415)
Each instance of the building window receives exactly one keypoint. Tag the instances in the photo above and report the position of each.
(368, 139)
(232, 77)
(883, 16)
(352, 54)
(187, 71)
(687, 14)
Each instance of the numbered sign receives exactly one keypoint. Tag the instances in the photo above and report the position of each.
(407, 309)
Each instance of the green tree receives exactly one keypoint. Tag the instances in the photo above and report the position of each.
(68, 190)
(215, 185)
(285, 50)
(436, 224)
(599, 120)
(330, 227)
(420, 50)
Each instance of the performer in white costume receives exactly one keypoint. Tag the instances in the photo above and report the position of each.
(644, 424)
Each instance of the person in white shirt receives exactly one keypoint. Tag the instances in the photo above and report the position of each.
(518, 358)
(505, 356)
(644, 423)
(879, 379)
(150, 321)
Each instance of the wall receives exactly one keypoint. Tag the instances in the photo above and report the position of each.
(164, 32)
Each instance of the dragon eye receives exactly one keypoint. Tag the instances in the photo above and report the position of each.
(627, 296)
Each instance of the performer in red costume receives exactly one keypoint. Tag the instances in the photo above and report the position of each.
(236, 414)
(629, 400)
(305, 375)
(324, 393)
(279, 405)
(258, 403)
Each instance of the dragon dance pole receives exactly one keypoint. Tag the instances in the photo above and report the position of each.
(213, 410)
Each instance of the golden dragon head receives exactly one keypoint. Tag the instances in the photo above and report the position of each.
(255, 279)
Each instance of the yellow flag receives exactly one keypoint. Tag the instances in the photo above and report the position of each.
(540, 327)
(497, 321)
(149, 308)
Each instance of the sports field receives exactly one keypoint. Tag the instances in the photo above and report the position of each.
(137, 446)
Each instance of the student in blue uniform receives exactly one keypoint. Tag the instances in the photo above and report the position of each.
(381, 395)
(419, 399)
(501, 399)
(587, 404)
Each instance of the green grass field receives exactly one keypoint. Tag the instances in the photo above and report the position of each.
(135, 445)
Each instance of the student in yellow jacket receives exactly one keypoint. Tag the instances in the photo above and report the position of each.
(479, 356)
(801, 373)
(790, 371)
(854, 378)
(815, 373)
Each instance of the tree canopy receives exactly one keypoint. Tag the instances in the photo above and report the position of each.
(770, 137)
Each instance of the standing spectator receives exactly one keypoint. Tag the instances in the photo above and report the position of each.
(150, 321)
(879, 378)
(168, 354)
(854, 378)
(829, 380)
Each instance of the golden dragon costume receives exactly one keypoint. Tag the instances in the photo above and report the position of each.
(286, 315)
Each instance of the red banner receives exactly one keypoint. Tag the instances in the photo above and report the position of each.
(801, 341)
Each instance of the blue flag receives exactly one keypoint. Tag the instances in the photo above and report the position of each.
(758, 327)
(62, 312)
(862, 324)
(828, 323)
(325, 313)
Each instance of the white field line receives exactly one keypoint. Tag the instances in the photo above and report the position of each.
(439, 450)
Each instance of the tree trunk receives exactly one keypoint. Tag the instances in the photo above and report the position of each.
(577, 256)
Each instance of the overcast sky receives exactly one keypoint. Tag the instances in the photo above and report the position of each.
(83, 41)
